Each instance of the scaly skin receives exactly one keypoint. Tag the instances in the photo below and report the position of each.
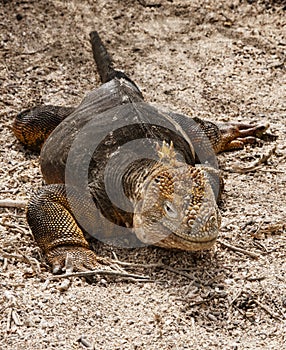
(177, 209)
(174, 204)
(33, 126)
(174, 207)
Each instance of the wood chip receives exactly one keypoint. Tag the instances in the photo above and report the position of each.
(10, 203)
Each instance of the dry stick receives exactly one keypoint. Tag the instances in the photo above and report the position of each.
(104, 272)
(272, 228)
(125, 274)
(10, 203)
(5, 264)
(9, 320)
(255, 278)
(143, 3)
(267, 309)
(12, 256)
(34, 263)
(16, 227)
(274, 171)
(16, 318)
(123, 263)
(240, 250)
(255, 165)
(162, 266)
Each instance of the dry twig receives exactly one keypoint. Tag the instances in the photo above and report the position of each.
(145, 4)
(10, 203)
(267, 309)
(255, 165)
(157, 265)
(125, 275)
(16, 318)
(34, 263)
(273, 228)
(240, 250)
(9, 320)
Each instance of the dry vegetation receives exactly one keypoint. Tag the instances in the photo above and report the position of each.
(221, 60)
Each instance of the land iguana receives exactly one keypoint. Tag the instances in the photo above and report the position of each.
(97, 186)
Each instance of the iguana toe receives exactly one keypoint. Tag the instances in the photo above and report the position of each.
(72, 258)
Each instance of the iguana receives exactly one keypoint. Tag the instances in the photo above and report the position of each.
(162, 190)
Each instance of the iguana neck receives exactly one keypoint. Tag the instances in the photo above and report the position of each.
(136, 175)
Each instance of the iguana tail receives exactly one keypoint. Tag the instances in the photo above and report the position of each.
(104, 62)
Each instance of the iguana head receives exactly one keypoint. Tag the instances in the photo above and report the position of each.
(177, 208)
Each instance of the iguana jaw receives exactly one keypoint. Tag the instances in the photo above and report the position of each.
(194, 239)
(176, 242)
(191, 241)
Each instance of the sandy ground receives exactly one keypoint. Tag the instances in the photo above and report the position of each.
(219, 60)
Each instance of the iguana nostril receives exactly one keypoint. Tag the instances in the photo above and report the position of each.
(191, 222)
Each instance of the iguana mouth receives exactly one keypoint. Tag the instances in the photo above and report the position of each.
(185, 240)
(200, 240)
(176, 241)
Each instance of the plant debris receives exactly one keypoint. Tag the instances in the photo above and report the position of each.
(217, 60)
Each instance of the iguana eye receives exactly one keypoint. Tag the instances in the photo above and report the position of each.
(158, 179)
(170, 210)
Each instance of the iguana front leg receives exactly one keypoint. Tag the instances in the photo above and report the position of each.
(231, 136)
(56, 231)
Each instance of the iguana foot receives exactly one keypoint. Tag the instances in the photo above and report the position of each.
(73, 258)
(237, 135)
(56, 231)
